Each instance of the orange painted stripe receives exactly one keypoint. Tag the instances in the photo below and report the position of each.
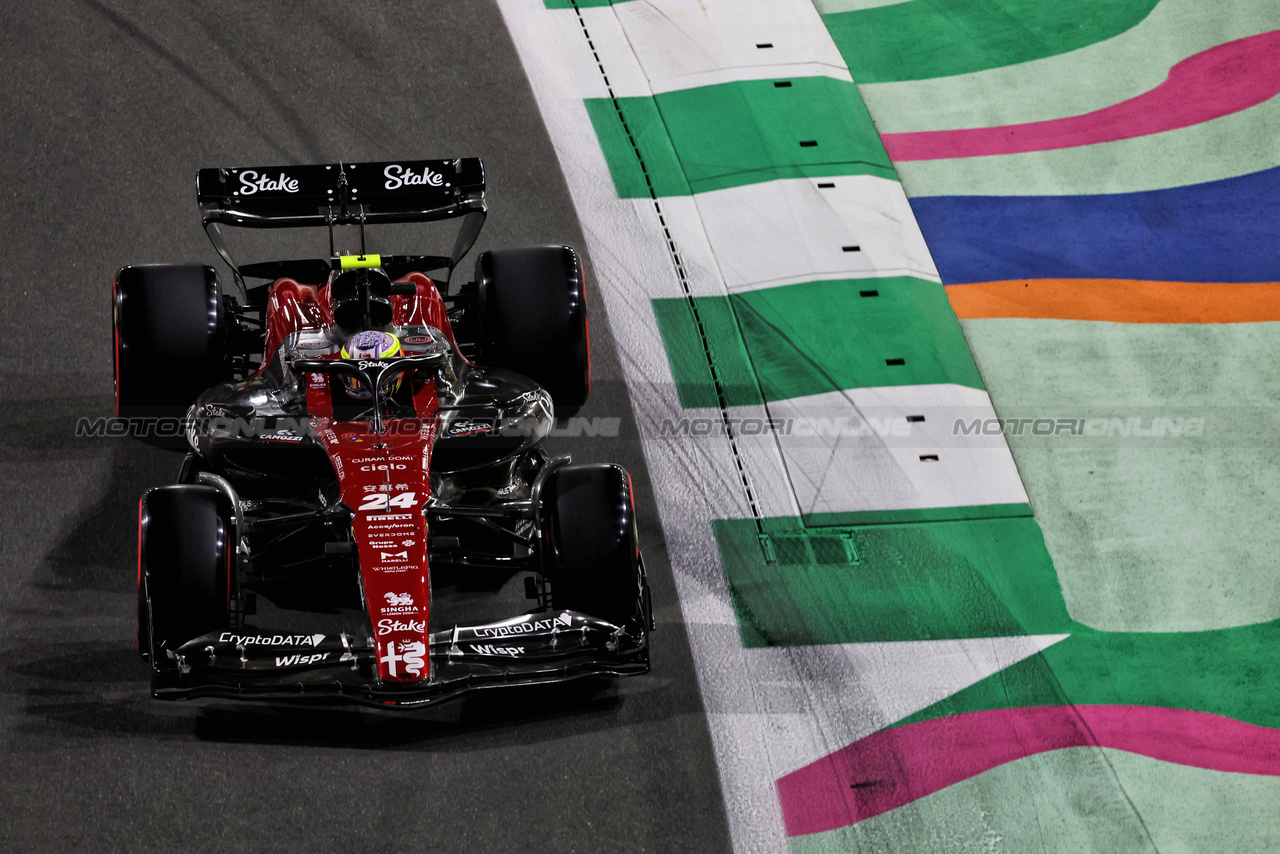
(1119, 300)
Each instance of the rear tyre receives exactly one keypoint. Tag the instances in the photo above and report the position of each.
(185, 574)
(591, 553)
(533, 319)
(170, 343)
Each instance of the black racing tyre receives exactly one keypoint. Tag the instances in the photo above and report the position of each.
(533, 319)
(591, 553)
(185, 565)
(144, 615)
(170, 341)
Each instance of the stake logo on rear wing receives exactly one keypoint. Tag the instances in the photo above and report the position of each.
(338, 193)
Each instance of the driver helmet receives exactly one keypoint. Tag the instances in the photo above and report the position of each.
(371, 344)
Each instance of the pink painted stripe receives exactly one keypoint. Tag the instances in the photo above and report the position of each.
(1217, 82)
(896, 766)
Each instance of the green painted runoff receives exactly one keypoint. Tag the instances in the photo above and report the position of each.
(914, 581)
(687, 349)
(922, 514)
(938, 38)
(990, 578)
(1229, 672)
(794, 349)
(579, 4)
(636, 148)
(733, 134)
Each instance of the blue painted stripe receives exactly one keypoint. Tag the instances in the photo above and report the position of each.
(1220, 231)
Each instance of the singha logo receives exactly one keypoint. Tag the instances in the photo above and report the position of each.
(395, 600)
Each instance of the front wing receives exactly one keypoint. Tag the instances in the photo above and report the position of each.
(528, 650)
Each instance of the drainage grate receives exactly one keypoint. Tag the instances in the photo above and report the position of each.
(835, 549)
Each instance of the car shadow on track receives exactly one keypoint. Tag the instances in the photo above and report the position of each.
(523, 715)
(87, 688)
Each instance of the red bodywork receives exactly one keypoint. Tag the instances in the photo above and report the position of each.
(384, 479)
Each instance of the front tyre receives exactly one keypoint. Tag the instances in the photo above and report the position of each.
(186, 549)
(591, 553)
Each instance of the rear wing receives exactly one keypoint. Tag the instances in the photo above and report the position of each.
(343, 194)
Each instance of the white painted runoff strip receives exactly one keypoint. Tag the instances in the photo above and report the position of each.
(856, 450)
(582, 68)
(789, 231)
(683, 220)
(628, 251)
(831, 7)
(682, 44)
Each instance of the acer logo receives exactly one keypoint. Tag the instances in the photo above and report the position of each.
(397, 176)
(387, 626)
(251, 183)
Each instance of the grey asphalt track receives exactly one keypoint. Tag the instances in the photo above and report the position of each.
(107, 108)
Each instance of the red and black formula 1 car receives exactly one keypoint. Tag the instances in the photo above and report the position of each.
(350, 462)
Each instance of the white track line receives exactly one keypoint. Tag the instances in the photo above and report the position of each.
(682, 45)
(790, 231)
(855, 450)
